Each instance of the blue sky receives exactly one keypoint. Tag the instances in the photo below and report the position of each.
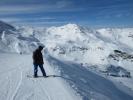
(97, 13)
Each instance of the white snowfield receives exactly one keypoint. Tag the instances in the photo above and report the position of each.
(71, 81)
(15, 85)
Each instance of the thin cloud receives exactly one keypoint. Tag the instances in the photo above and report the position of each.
(59, 6)
(10, 19)
(18, 20)
(19, 9)
(64, 4)
(43, 23)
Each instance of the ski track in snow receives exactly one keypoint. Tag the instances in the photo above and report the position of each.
(44, 91)
(17, 88)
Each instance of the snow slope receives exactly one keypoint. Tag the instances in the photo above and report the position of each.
(6, 27)
(17, 39)
(16, 86)
(83, 84)
(88, 84)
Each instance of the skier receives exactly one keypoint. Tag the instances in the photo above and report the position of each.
(38, 61)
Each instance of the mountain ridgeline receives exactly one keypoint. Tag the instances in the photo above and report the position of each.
(72, 42)
(6, 27)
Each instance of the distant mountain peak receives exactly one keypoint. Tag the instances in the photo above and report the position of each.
(71, 25)
(6, 27)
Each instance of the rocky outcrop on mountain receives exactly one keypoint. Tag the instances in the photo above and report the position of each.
(118, 55)
(117, 71)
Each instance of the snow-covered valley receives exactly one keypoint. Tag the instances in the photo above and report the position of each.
(88, 64)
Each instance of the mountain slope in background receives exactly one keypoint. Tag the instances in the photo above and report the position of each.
(15, 40)
(6, 27)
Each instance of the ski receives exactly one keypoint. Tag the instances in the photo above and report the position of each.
(31, 76)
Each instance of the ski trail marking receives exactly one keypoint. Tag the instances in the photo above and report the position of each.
(49, 98)
(9, 87)
(17, 88)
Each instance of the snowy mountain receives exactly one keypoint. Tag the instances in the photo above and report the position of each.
(16, 40)
(6, 27)
(83, 56)
(71, 42)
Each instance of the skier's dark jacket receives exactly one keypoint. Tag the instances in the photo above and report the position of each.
(37, 57)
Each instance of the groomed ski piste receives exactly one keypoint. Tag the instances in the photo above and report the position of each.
(15, 85)
(71, 81)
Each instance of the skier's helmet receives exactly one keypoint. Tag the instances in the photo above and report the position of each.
(41, 47)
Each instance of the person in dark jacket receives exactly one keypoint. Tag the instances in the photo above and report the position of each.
(38, 61)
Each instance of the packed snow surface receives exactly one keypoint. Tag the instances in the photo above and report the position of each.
(71, 81)
(15, 85)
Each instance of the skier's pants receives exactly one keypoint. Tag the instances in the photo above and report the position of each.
(36, 69)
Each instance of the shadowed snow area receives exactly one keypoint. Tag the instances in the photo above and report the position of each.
(88, 84)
